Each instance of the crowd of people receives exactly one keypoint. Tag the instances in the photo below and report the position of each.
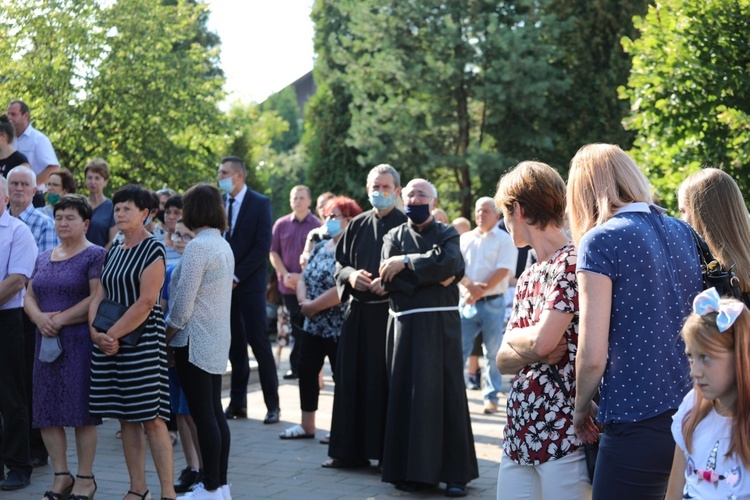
(629, 363)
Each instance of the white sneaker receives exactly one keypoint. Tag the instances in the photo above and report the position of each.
(200, 493)
(225, 491)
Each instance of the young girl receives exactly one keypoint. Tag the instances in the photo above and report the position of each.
(712, 425)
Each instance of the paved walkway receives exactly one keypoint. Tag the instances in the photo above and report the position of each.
(263, 466)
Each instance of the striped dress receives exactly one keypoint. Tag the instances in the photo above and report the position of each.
(133, 384)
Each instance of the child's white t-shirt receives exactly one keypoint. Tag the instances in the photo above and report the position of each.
(708, 472)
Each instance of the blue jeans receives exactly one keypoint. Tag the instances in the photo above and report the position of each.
(489, 321)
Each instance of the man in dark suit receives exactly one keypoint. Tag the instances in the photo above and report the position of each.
(249, 234)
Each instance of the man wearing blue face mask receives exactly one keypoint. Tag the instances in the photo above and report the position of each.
(428, 438)
(361, 396)
(249, 235)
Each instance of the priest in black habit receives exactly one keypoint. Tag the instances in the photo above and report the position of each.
(428, 436)
(361, 390)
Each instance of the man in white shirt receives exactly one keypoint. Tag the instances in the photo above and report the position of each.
(18, 254)
(35, 145)
(490, 257)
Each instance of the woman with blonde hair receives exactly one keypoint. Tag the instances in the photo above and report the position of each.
(711, 202)
(638, 271)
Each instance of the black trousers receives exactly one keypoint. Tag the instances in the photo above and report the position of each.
(36, 444)
(292, 305)
(203, 395)
(249, 327)
(313, 351)
(13, 409)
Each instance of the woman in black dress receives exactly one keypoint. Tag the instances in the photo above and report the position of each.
(129, 382)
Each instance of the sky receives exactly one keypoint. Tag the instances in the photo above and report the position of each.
(265, 44)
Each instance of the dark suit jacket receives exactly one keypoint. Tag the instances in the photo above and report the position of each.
(251, 242)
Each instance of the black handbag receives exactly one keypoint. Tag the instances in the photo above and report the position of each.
(590, 450)
(714, 275)
(107, 315)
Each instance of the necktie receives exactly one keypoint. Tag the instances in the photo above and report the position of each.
(229, 219)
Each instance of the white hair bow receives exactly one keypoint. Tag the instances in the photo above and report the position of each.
(709, 302)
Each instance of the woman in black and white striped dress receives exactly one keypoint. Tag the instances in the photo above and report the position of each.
(129, 382)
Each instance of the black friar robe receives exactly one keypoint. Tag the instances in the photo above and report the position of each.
(360, 394)
(428, 437)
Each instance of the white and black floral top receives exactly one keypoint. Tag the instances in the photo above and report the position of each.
(540, 417)
(200, 299)
(318, 276)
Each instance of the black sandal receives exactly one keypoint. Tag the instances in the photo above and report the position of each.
(52, 495)
(143, 497)
(84, 497)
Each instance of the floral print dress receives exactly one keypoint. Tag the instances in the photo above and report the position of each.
(318, 276)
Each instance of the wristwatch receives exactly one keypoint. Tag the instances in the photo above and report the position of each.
(406, 261)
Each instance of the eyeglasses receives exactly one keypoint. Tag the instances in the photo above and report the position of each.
(186, 238)
(417, 195)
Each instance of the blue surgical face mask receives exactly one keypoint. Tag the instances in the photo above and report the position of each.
(381, 201)
(418, 213)
(468, 311)
(226, 185)
(333, 226)
(147, 221)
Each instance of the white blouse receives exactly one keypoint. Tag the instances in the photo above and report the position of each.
(200, 300)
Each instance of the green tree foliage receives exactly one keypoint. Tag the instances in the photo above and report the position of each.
(133, 81)
(460, 90)
(249, 134)
(279, 172)
(332, 164)
(437, 87)
(591, 110)
(690, 91)
(285, 105)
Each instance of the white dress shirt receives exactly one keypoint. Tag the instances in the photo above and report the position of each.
(18, 254)
(38, 149)
(235, 206)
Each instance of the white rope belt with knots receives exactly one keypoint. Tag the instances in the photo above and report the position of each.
(418, 311)
(421, 310)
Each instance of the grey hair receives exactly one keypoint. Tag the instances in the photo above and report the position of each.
(486, 199)
(432, 186)
(23, 169)
(3, 185)
(384, 168)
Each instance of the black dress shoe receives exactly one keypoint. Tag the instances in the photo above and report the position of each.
(15, 481)
(233, 413)
(38, 462)
(291, 375)
(272, 417)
